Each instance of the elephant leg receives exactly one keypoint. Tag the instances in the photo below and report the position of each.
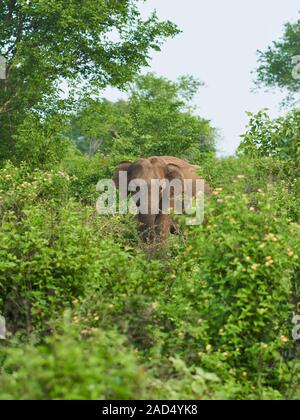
(174, 228)
(147, 228)
(163, 226)
(147, 235)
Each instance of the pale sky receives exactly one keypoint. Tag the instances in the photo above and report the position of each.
(218, 45)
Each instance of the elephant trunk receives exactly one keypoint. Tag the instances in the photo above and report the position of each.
(147, 227)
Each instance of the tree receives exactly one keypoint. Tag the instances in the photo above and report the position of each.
(87, 43)
(278, 138)
(279, 65)
(98, 124)
(157, 119)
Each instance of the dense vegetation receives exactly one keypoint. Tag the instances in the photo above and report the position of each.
(157, 119)
(89, 45)
(92, 312)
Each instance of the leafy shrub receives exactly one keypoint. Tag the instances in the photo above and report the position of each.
(50, 246)
(278, 138)
(74, 365)
(40, 142)
(218, 299)
(234, 293)
(91, 363)
(86, 173)
(260, 173)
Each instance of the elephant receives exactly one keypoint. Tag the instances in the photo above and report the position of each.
(153, 226)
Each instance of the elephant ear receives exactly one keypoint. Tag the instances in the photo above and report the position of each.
(174, 171)
(122, 167)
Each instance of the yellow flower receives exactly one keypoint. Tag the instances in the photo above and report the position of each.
(263, 345)
(284, 339)
(269, 263)
(86, 331)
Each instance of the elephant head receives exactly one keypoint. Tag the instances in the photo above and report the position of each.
(163, 168)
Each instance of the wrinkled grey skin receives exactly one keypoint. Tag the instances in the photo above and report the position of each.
(158, 226)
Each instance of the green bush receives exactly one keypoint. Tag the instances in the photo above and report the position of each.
(89, 363)
(51, 247)
(73, 365)
(233, 297)
(220, 298)
(86, 173)
(278, 138)
(40, 142)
